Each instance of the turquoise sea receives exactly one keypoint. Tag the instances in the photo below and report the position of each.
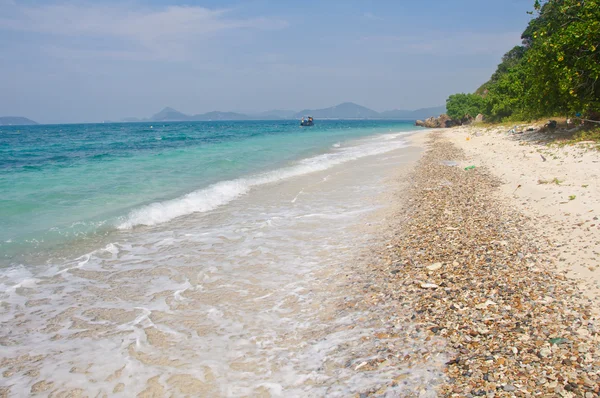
(65, 183)
(209, 259)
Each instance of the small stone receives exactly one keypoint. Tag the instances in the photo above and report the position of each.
(588, 382)
(434, 267)
(583, 332)
(545, 352)
(509, 388)
(429, 286)
(485, 305)
(361, 365)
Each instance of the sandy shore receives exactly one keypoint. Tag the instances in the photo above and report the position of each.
(260, 298)
(477, 274)
(558, 187)
(451, 285)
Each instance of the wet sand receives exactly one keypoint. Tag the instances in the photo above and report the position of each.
(262, 297)
(396, 275)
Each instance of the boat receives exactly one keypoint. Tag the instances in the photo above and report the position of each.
(307, 121)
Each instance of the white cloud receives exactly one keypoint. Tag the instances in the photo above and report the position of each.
(158, 32)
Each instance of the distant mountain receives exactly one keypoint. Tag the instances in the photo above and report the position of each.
(172, 115)
(216, 115)
(347, 110)
(15, 121)
(275, 114)
(169, 115)
(396, 114)
(423, 113)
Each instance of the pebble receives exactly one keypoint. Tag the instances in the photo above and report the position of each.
(498, 317)
(434, 267)
(362, 364)
(485, 305)
(545, 352)
(583, 332)
(429, 286)
(509, 388)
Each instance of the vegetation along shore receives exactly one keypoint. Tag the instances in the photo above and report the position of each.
(554, 72)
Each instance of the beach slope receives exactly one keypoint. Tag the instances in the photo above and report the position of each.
(478, 273)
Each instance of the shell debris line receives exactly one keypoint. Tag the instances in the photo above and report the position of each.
(478, 276)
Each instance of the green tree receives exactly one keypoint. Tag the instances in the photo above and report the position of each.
(563, 57)
(555, 72)
(460, 106)
(510, 60)
(505, 98)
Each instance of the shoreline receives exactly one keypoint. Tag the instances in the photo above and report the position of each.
(205, 192)
(250, 300)
(557, 186)
(430, 283)
(480, 277)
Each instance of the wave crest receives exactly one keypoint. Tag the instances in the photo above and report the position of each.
(223, 192)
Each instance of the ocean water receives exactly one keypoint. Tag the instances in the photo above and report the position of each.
(61, 183)
(192, 259)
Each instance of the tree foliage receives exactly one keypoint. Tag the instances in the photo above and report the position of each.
(557, 69)
(510, 60)
(461, 106)
(505, 98)
(564, 59)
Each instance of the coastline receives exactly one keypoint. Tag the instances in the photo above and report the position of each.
(260, 297)
(558, 187)
(397, 274)
(478, 276)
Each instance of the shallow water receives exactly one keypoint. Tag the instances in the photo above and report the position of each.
(65, 184)
(253, 298)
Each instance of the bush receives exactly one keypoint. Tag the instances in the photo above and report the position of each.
(462, 106)
(555, 72)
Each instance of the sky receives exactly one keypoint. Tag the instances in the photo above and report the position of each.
(89, 61)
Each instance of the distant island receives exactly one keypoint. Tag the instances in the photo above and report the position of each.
(15, 121)
(346, 110)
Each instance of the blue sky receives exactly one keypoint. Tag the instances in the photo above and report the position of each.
(76, 61)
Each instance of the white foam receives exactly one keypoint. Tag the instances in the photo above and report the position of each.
(221, 193)
(197, 201)
(296, 197)
(245, 288)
